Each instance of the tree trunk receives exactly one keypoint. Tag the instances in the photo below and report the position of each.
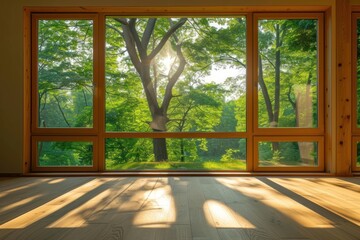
(182, 151)
(265, 93)
(160, 149)
(158, 124)
(275, 121)
(277, 76)
(275, 146)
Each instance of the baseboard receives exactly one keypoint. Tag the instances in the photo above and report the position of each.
(11, 174)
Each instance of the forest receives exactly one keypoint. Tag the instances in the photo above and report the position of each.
(178, 75)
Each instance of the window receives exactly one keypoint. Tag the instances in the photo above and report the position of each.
(63, 92)
(65, 73)
(285, 154)
(168, 75)
(239, 93)
(289, 101)
(61, 153)
(288, 75)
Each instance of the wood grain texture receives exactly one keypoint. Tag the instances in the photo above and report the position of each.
(343, 87)
(179, 208)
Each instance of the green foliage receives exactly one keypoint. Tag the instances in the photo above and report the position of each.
(128, 150)
(137, 153)
(181, 166)
(288, 154)
(276, 156)
(183, 149)
(229, 155)
(66, 154)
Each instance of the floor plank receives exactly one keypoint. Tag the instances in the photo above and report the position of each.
(180, 208)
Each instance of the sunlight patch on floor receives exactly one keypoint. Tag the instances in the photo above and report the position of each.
(222, 216)
(159, 210)
(19, 203)
(59, 180)
(287, 206)
(48, 208)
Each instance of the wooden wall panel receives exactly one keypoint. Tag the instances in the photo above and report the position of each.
(343, 87)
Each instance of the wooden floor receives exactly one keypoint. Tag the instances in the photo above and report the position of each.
(170, 208)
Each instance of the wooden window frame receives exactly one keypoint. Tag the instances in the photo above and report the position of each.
(62, 134)
(97, 134)
(283, 134)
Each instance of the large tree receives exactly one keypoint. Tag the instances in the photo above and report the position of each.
(193, 42)
(143, 45)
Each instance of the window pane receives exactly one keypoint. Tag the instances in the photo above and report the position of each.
(178, 75)
(65, 73)
(358, 74)
(65, 154)
(288, 154)
(288, 73)
(183, 154)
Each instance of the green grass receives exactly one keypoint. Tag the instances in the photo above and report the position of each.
(180, 166)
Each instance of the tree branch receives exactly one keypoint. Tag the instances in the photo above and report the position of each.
(293, 103)
(115, 29)
(123, 21)
(136, 38)
(173, 79)
(148, 32)
(266, 57)
(130, 46)
(166, 36)
(61, 111)
(234, 59)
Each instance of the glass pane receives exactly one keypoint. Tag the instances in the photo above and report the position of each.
(65, 154)
(288, 73)
(288, 154)
(358, 74)
(180, 154)
(65, 73)
(179, 75)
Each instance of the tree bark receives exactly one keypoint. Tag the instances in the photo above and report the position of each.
(265, 92)
(160, 149)
(277, 76)
(182, 150)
